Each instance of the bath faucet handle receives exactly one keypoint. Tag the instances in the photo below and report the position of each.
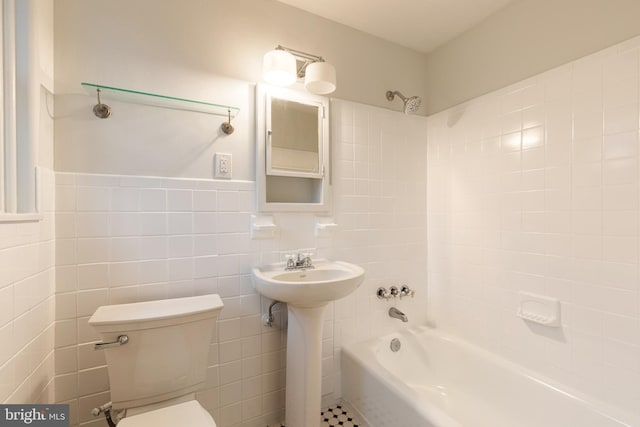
(383, 293)
(406, 291)
(394, 291)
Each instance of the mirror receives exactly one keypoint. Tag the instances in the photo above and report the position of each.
(294, 137)
(292, 150)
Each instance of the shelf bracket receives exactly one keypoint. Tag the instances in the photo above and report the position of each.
(101, 110)
(227, 127)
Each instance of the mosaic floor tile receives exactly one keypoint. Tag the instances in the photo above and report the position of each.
(336, 415)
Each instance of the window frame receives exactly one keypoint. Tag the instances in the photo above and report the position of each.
(19, 122)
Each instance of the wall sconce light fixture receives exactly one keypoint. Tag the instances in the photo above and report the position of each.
(283, 66)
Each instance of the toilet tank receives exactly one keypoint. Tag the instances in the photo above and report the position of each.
(167, 351)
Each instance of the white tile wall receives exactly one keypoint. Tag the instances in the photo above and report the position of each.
(535, 187)
(27, 306)
(125, 238)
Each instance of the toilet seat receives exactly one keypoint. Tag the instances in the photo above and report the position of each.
(189, 413)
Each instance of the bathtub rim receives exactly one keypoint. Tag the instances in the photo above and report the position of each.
(367, 348)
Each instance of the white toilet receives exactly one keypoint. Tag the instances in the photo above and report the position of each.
(157, 354)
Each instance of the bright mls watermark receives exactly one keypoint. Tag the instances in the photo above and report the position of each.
(34, 415)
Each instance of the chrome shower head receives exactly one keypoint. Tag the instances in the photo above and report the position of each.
(411, 104)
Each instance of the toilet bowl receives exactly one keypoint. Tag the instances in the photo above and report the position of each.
(157, 354)
(189, 413)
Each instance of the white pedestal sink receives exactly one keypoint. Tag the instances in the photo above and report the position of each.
(307, 293)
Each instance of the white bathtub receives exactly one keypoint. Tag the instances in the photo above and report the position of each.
(436, 380)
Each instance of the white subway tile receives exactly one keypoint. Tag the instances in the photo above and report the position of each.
(65, 198)
(65, 225)
(179, 200)
(622, 355)
(154, 271)
(230, 415)
(620, 171)
(622, 328)
(124, 199)
(65, 306)
(66, 386)
(92, 381)
(204, 201)
(153, 224)
(153, 247)
(7, 337)
(153, 200)
(180, 268)
(180, 223)
(230, 372)
(123, 273)
(125, 248)
(180, 246)
(124, 224)
(123, 295)
(66, 360)
(620, 197)
(204, 223)
(230, 351)
(93, 250)
(92, 276)
(93, 198)
(92, 224)
(621, 119)
(65, 333)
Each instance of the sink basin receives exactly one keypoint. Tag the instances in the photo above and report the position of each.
(328, 281)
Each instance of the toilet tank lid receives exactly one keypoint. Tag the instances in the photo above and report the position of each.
(155, 310)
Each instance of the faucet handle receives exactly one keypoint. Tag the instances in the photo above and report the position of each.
(306, 260)
(291, 263)
(394, 291)
(382, 293)
(406, 291)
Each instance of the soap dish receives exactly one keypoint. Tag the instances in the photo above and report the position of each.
(539, 309)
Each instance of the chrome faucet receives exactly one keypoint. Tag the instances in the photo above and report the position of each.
(397, 314)
(299, 262)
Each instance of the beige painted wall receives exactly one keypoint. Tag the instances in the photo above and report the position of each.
(207, 50)
(524, 39)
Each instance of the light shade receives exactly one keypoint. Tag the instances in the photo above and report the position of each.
(320, 78)
(279, 68)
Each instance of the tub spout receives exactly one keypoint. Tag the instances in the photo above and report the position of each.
(397, 314)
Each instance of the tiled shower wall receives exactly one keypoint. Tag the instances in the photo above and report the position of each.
(27, 273)
(535, 188)
(126, 238)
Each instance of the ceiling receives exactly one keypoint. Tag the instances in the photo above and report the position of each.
(422, 25)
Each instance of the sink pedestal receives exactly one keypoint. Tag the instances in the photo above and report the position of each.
(307, 292)
(304, 366)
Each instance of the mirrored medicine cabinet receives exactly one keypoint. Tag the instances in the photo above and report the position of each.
(292, 155)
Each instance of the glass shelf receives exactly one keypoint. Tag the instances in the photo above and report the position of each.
(136, 97)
